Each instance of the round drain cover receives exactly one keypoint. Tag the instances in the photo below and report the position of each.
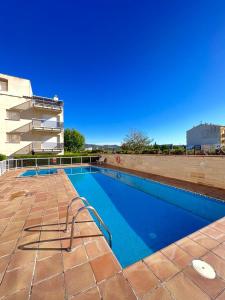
(204, 269)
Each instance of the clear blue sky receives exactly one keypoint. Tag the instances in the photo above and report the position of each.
(156, 66)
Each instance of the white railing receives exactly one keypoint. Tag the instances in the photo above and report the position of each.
(12, 163)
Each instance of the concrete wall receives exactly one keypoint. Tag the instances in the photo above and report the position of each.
(198, 169)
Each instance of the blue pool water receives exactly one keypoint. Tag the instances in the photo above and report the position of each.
(142, 215)
(41, 172)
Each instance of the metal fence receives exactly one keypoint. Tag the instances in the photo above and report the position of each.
(8, 164)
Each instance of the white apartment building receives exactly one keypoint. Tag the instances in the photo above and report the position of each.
(206, 135)
(28, 123)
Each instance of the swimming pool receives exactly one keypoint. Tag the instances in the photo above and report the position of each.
(142, 215)
(39, 172)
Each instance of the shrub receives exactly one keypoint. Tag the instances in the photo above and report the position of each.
(2, 157)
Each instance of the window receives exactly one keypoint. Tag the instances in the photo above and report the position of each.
(13, 138)
(3, 85)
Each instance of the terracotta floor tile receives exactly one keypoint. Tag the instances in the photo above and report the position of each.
(88, 229)
(141, 278)
(47, 249)
(77, 257)
(16, 280)
(92, 294)
(51, 289)
(221, 296)
(161, 266)
(160, 293)
(7, 248)
(21, 258)
(79, 279)
(105, 266)
(204, 240)
(116, 288)
(182, 288)
(220, 250)
(177, 255)
(191, 247)
(212, 287)
(96, 247)
(48, 267)
(217, 263)
(4, 263)
(20, 295)
(213, 233)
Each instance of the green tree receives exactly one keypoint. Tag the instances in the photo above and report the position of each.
(136, 141)
(73, 140)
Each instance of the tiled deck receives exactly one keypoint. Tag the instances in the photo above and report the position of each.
(42, 269)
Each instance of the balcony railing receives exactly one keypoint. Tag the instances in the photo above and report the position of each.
(46, 103)
(47, 147)
(46, 125)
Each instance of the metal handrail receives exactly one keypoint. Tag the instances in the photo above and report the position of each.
(69, 207)
(100, 223)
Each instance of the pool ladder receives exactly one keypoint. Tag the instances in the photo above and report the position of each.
(88, 207)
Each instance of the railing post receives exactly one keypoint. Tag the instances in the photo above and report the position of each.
(90, 159)
(71, 160)
(48, 161)
(21, 162)
(16, 163)
(81, 160)
(60, 161)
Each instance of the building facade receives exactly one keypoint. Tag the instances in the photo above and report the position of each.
(205, 135)
(28, 123)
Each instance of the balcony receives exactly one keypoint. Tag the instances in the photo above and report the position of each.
(46, 126)
(46, 104)
(47, 147)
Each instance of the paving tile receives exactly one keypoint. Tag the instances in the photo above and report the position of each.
(160, 293)
(3, 265)
(216, 262)
(77, 257)
(161, 266)
(221, 296)
(48, 267)
(204, 240)
(96, 247)
(79, 279)
(21, 258)
(51, 289)
(182, 288)
(20, 295)
(191, 247)
(16, 280)
(141, 278)
(220, 251)
(116, 288)
(105, 266)
(7, 248)
(177, 255)
(92, 294)
(213, 287)
(213, 233)
(47, 249)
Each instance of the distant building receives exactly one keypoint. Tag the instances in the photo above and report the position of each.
(206, 135)
(28, 123)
